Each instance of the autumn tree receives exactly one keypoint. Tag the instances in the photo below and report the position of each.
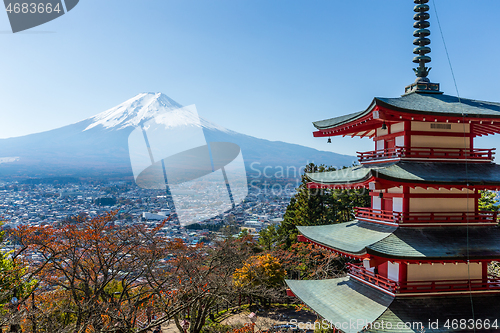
(305, 261)
(261, 276)
(94, 276)
(208, 271)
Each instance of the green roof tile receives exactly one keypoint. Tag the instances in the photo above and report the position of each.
(415, 172)
(438, 310)
(422, 103)
(441, 104)
(342, 301)
(323, 124)
(440, 243)
(425, 243)
(346, 300)
(351, 237)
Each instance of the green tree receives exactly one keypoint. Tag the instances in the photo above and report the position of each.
(268, 237)
(16, 284)
(319, 206)
(488, 201)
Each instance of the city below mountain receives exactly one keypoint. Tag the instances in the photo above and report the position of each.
(98, 146)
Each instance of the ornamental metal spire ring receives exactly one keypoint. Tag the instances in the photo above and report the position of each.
(421, 41)
(422, 83)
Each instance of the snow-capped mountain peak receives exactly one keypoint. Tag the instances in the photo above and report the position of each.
(146, 106)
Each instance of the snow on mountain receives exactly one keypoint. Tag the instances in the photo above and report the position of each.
(147, 106)
(98, 146)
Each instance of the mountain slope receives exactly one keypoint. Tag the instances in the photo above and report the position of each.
(98, 146)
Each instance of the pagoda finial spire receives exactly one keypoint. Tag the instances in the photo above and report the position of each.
(422, 83)
(421, 41)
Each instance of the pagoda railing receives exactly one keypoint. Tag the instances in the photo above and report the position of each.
(360, 272)
(427, 153)
(448, 285)
(395, 287)
(425, 217)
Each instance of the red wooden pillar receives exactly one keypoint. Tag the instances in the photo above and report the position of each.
(484, 270)
(406, 201)
(471, 137)
(383, 269)
(389, 142)
(403, 272)
(476, 201)
(407, 137)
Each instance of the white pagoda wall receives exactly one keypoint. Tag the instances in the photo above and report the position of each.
(440, 141)
(433, 203)
(397, 127)
(450, 271)
(397, 205)
(393, 271)
(430, 140)
(441, 204)
(426, 127)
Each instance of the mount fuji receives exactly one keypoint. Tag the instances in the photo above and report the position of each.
(98, 146)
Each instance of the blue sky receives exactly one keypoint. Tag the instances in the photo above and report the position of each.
(266, 68)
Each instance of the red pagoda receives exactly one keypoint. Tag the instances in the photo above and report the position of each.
(423, 247)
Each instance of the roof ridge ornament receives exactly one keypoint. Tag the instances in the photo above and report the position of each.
(422, 83)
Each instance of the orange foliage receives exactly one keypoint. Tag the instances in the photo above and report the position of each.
(248, 328)
(263, 269)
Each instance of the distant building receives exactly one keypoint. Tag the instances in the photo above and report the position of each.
(67, 194)
(160, 216)
(105, 201)
(277, 220)
(257, 225)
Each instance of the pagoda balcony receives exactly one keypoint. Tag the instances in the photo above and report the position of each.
(423, 218)
(405, 287)
(361, 273)
(422, 153)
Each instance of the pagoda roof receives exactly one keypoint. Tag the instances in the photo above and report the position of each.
(440, 243)
(363, 239)
(422, 104)
(431, 173)
(436, 104)
(440, 309)
(342, 300)
(351, 237)
(345, 300)
(325, 124)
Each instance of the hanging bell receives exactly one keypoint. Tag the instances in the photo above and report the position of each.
(329, 140)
